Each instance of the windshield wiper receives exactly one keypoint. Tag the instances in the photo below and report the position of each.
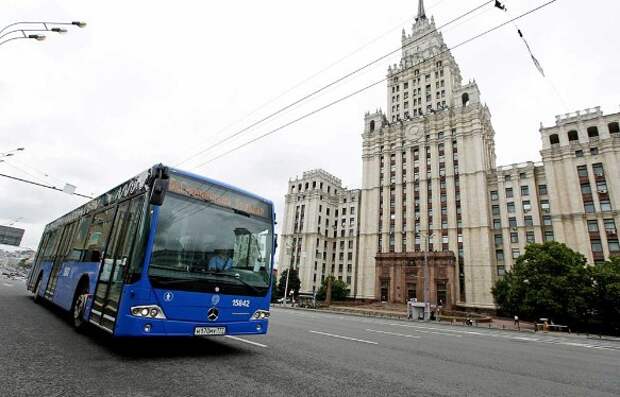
(177, 280)
(238, 278)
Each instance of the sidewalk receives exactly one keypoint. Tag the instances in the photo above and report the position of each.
(495, 324)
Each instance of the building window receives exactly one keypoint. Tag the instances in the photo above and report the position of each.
(497, 224)
(525, 190)
(529, 237)
(515, 253)
(593, 226)
(582, 171)
(598, 169)
(514, 237)
(601, 187)
(507, 178)
(499, 255)
(578, 153)
(542, 190)
(605, 205)
(547, 220)
(554, 139)
(494, 196)
(527, 207)
(528, 220)
(593, 132)
(573, 136)
(548, 235)
(610, 227)
(614, 128)
(589, 207)
(510, 207)
(512, 222)
(594, 151)
(495, 210)
(544, 204)
(585, 188)
(499, 240)
(597, 247)
(509, 193)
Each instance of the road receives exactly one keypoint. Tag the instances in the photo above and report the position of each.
(305, 354)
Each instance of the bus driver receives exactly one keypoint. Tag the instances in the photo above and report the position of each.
(221, 261)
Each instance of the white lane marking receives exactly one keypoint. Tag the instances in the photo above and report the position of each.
(424, 330)
(450, 332)
(7, 284)
(394, 334)
(245, 341)
(344, 337)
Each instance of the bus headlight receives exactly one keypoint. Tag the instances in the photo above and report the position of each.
(260, 315)
(148, 311)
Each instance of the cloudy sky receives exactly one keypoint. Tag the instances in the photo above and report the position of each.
(154, 81)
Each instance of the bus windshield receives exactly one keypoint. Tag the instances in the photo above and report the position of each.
(201, 246)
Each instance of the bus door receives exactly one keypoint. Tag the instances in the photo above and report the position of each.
(34, 272)
(59, 255)
(115, 263)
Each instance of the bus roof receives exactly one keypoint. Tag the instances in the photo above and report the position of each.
(137, 182)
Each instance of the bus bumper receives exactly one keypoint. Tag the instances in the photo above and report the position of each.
(135, 326)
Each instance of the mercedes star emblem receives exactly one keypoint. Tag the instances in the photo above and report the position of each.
(212, 314)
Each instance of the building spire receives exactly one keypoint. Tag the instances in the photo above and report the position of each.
(421, 12)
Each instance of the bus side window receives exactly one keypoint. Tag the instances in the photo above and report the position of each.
(76, 251)
(52, 245)
(97, 235)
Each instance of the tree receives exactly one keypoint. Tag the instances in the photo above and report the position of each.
(548, 280)
(294, 284)
(606, 296)
(340, 290)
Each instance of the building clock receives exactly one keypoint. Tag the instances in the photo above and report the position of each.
(415, 132)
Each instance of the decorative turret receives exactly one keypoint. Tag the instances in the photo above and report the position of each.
(421, 12)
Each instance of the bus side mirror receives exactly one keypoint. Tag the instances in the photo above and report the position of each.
(275, 242)
(158, 192)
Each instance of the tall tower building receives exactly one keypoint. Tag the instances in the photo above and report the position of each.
(425, 164)
(431, 191)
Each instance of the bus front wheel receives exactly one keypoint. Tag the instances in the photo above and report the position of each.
(79, 304)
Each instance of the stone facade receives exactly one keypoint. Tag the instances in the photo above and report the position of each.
(400, 277)
(430, 183)
(319, 234)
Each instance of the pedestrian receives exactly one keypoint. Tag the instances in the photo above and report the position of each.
(410, 309)
(517, 326)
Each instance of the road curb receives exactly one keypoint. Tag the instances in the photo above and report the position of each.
(399, 317)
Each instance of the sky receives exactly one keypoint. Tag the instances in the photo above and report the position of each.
(152, 81)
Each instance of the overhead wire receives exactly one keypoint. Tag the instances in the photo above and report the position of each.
(546, 76)
(41, 185)
(331, 84)
(341, 99)
(311, 77)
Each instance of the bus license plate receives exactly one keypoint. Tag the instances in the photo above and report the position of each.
(209, 331)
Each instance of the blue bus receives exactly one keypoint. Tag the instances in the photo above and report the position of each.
(167, 253)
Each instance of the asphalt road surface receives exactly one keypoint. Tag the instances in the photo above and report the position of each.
(304, 354)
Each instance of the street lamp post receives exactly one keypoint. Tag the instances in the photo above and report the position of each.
(288, 247)
(12, 152)
(427, 304)
(40, 27)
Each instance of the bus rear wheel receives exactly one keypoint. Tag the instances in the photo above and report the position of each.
(79, 304)
(36, 298)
